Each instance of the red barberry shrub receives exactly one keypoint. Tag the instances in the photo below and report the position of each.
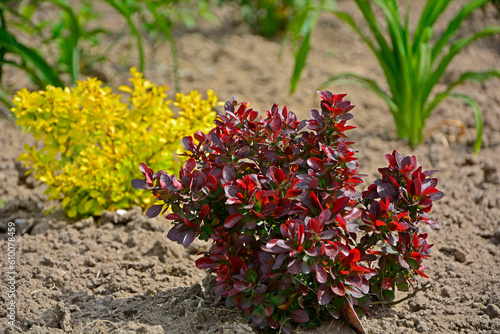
(292, 238)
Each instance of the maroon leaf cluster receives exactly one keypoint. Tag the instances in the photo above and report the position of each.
(292, 238)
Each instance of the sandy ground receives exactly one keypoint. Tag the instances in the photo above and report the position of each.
(120, 274)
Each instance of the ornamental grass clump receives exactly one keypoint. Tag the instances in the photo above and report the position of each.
(292, 239)
(91, 142)
(414, 62)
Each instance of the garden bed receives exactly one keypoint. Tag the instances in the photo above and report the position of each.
(120, 274)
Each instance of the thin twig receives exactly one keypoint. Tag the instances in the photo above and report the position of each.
(411, 295)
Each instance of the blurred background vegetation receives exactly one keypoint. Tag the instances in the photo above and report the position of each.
(58, 42)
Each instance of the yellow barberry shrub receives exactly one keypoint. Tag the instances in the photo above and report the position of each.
(91, 143)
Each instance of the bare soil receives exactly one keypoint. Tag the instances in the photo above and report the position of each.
(120, 274)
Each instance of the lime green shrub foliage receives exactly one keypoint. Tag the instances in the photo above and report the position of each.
(92, 142)
(414, 64)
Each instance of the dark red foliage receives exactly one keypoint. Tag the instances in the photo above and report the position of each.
(290, 232)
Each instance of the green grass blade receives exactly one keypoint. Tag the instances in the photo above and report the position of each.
(300, 62)
(455, 48)
(6, 100)
(423, 63)
(127, 14)
(383, 58)
(39, 81)
(302, 29)
(402, 57)
(371, 19)
(477, 115)
(70, 47)
(474, 76)
(475, 108)
(355, 79)
(25, 20)
(431, 12)
(454, 26)
(165, 28)
(47, 74)
(467, 76)
(350, 21)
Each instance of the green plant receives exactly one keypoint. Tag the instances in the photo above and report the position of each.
(66, 38)
(92, 141)
(30, 61)
(296, 18)
(299, 32)
(268, 17)
(413, 64)
(158, 17)
(293, 241)
(124, 9)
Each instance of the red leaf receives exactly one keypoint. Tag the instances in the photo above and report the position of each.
(284, 230)
(190, 165)
(232, 201)
(325, 294)
(338, 288)
(313, 225)
(387, 283)
(321, 275)
(199, 136)
(315, 163)
(340, 204)
(154, 211)
(354, 256)
(173, 216)
(315, 201)
(268, 309)
(240, 286)
(204, 211)
(301, 234)
(187, 144)
(300, 316)
(293, 193)
(341, 222)
(233, 220)
(211, 182)
(280, 212)
(204, 263)
(277, 175)
(351, 317)
(324, 216)
(331, 249)
(189, 223)
(228, 173)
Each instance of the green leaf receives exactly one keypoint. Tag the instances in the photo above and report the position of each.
(44, 72)
(124, 10)
(70, 45)
(165, 27)
(252, 276)
(413, 64)
(454, 25)
(389, 295)
(300, 62)
(413, 263)
(467, 76)
(455, 48)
